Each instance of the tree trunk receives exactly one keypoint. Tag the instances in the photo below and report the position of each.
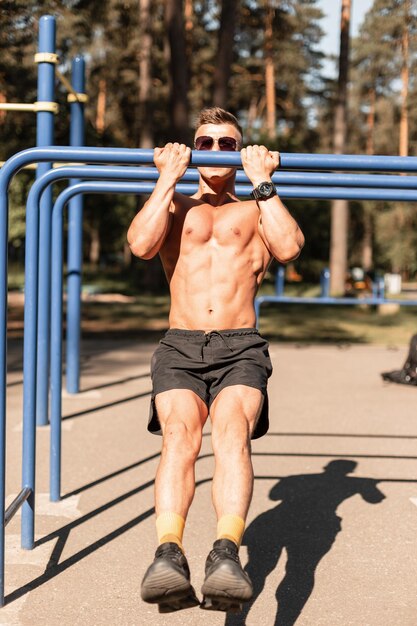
(368, 222)
(252, 115)
(127, 255)
(340, 208)
(146, 138)
(174, 28)
(188, 15)
(403, 148)
(189, 24)
(370, 123)
(224, 56)
(271, 121)
(101, 106)
(94, 254)
(3, 100)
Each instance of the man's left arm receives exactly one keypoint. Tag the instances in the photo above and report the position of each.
(277, 227)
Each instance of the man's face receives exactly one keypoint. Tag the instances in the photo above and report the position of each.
(216, 132)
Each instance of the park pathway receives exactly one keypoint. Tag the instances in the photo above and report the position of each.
(331, 537)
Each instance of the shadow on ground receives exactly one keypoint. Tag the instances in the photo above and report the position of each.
(306, 525)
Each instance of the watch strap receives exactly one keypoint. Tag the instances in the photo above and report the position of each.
(257, 195)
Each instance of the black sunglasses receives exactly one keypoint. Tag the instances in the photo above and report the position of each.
(226, 144)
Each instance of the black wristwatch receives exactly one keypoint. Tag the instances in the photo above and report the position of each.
(264, 191)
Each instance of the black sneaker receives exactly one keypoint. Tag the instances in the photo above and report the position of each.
(226, 585)
(402, 377)
(167, 580)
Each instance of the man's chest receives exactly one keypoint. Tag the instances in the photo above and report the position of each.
(220, 226)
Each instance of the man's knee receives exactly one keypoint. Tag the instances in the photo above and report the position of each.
(182, 438)
(231, 436)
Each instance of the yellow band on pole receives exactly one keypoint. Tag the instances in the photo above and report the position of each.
(33, 166)
(16, 106)
(77, 97)
(46, 57)
(51, 107)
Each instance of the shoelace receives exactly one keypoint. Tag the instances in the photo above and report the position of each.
(221, 553)
(170, 552)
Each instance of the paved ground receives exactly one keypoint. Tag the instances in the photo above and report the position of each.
(331, 531)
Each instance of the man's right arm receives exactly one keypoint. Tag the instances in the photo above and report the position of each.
(151, 225)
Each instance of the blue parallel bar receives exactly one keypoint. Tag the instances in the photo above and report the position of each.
(125, 156)
(13, 165)
(333, 301)
(289, 161)
(107, 172)
(56, 316)
(44, 137)
(285, 177)
(75, 239)
(328, 301)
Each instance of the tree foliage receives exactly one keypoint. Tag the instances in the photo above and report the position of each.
(153, 64)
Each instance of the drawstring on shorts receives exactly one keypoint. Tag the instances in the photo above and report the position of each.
(208, 336)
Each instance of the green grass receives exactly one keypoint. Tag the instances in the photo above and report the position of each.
(337, 324)
(146, 315)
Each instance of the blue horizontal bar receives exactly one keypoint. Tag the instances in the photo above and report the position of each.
(378, 192)
(280, 177)
(211, 158)
(332, 301)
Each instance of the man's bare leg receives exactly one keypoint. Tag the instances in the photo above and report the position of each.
(182, 415)
(234, 414)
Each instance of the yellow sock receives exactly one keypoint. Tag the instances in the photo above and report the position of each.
(231, 527)
(170, 527)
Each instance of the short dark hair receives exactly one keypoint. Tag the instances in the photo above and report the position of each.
(216, 115)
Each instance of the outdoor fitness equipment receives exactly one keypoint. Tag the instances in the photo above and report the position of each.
(46, 108)
(26, 498)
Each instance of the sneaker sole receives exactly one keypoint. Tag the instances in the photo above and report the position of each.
(168, 589)
(222, 591)
(221, 604)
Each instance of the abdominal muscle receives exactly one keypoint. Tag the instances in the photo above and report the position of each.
(214, 290)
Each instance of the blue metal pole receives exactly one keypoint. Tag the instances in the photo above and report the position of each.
(210, 158)
(75, 237)
(280, 280)
(56, 350)
(44, 137)
(325, 282)
(56, 309)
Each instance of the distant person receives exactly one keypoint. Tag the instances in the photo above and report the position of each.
(215, 250)
(408, 374)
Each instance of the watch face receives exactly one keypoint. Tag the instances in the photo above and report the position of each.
(265, 188)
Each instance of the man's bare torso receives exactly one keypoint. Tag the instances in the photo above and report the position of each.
(214, 259)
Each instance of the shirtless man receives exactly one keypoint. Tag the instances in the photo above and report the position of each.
(215, 250)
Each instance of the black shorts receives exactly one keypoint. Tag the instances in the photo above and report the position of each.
(206, 363)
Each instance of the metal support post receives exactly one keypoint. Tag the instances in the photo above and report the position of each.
(280, 280)
(44, 137)
(75, 236)
(325, 283)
